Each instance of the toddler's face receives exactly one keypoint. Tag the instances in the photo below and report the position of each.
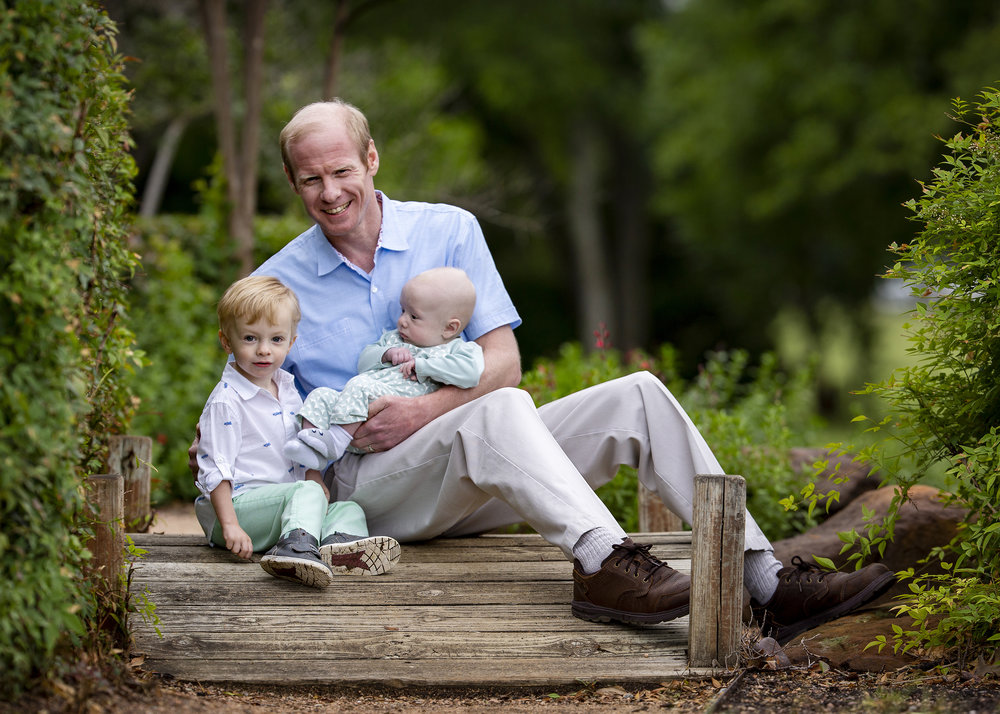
(260, 347)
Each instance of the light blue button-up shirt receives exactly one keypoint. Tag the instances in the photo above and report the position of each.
(344, 308)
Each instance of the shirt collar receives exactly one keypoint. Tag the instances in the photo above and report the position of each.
(390, 237)
(247, 389)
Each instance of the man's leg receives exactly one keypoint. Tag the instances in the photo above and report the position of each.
(495, 447)
(637, 422)
(450, 476)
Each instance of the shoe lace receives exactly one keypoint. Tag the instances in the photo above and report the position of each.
(638, 557)
(805, 571)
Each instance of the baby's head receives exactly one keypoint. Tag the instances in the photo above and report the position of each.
(437, 305)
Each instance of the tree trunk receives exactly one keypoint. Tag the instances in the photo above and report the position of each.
(253, 65)
(631, 239)
(593, 270)
(332, 76)
(159, 173)
(239, 169)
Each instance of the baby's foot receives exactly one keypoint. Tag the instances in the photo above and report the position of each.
(331, 442)
(302, 453)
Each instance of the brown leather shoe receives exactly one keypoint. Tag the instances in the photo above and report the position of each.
(632, 586)
(808, 596)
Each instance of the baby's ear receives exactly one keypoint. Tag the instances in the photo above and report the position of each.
(225, 342)
(452, 328)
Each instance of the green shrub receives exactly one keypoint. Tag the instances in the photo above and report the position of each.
(65, 185)
(749, 416)
(945, 408)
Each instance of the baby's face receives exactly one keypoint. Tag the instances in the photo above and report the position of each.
(424, 319)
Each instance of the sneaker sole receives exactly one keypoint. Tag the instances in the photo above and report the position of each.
(298, 570)
(597, 613)
(875, 588)
(374, 555)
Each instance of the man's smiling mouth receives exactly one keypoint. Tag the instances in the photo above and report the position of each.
(338, 210)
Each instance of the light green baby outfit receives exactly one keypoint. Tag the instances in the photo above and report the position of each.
(457, 362)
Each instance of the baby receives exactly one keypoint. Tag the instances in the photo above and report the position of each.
(424, 352)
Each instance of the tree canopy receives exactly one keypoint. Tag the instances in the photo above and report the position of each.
(676, 171)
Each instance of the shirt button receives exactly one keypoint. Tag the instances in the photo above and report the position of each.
(374, 289)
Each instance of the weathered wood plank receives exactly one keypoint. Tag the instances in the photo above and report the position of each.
(717, 575)
(301, 645)
(364, 591)
(551, 617)
(130, 456)
(422, 572)
(512, 672)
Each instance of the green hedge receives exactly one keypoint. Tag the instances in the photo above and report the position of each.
(65, 185)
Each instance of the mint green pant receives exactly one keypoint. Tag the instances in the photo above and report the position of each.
(268, 512)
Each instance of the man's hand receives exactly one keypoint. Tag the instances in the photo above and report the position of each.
(391, 420)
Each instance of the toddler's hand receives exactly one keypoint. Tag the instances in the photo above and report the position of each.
(314, 475)
(238, 541)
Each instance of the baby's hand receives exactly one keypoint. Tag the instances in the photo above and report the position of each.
(238, 541)
(409, 369)
(397, 355)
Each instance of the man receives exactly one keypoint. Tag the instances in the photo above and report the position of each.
(464, 461)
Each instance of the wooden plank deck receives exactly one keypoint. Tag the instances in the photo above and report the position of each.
(469, 612)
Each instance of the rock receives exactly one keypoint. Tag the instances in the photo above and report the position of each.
(923, 523)
(768, 653)
(842, 643)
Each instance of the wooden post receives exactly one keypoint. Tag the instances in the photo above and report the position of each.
(130, 456)
(717, 570)
(654, 516)
(106, 498)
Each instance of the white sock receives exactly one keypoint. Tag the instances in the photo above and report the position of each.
(594, 547)
(760, 574)
(330, 442)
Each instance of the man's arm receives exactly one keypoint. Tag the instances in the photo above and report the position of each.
(392, 419)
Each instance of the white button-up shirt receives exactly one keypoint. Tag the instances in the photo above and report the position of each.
(243, 428)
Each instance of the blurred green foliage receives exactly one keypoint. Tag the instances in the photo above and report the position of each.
(65, 342)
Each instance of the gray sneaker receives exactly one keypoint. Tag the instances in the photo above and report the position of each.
(359, 555)
(296, 557)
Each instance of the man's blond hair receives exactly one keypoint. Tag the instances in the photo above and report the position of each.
(319, 114)
(253, 298)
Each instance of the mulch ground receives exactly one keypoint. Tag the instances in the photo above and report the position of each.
(817, 688)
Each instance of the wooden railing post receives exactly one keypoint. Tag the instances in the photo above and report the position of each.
(654, 516)
(717, 570)
(106, 499)
(130, 456)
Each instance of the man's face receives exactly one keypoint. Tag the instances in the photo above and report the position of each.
(336, 185)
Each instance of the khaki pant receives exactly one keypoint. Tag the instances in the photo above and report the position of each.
(498, 460)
